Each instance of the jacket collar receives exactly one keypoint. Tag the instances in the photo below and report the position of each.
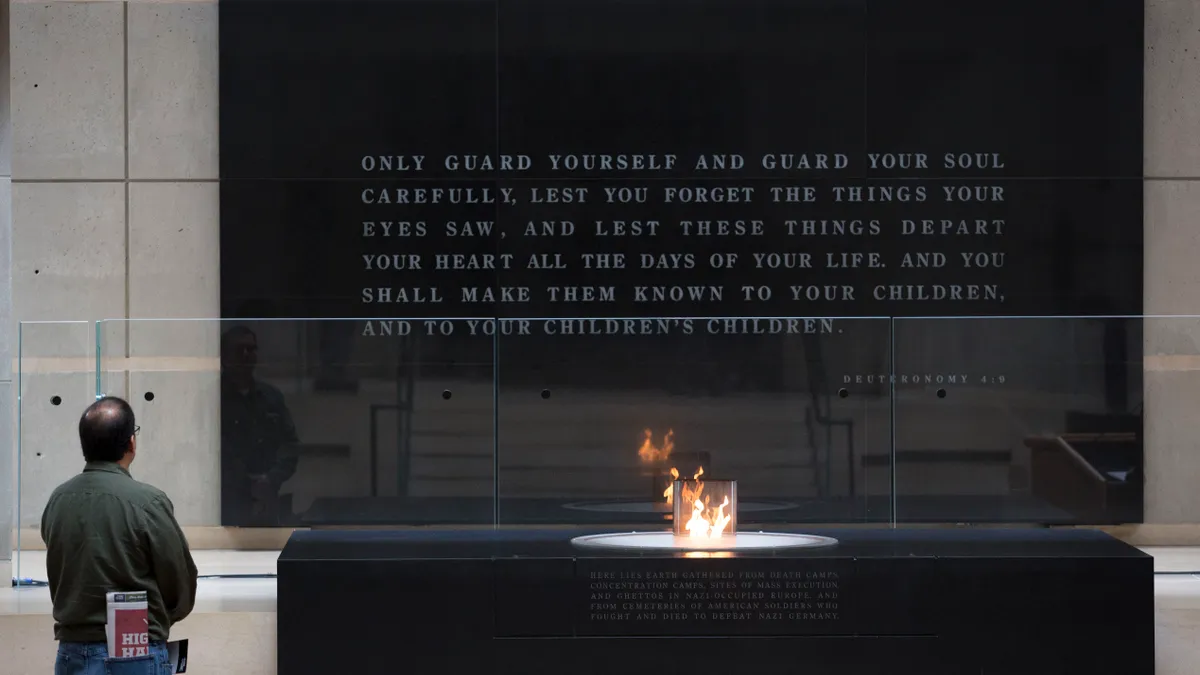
(109, 467)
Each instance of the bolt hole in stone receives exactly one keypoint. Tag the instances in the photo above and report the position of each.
(55, 400)
(37, 271)
(545, 393)
(843, 393)
(446, 394)
(149, 396)
(941, 393)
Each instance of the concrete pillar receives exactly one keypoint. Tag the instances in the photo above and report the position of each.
(8, 434)
(1172, 277)
(116, 216)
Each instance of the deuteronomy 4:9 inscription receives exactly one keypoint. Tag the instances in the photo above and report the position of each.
(689, 247)
(733, 159)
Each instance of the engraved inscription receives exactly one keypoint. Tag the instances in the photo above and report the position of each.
(713, 597)
(674, 237)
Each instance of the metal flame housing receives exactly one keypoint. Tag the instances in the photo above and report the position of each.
(711, 493)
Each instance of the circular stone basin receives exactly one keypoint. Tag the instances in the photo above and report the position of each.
(661, 507)
(667, 541)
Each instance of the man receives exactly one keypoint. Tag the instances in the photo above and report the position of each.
(105, 532)
(258, 438)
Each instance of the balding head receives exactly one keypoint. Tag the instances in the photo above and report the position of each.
(106, 430)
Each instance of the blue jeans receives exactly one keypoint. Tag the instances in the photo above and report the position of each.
(91, 658)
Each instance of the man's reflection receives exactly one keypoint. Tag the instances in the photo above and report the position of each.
(257, 437)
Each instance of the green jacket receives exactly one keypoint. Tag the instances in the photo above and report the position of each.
(106, 532)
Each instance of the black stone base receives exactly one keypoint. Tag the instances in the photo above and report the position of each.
(922, 601)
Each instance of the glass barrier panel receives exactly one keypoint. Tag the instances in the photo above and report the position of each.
(1024, 420)
(595, 417)
(311, 422)
(56, 375)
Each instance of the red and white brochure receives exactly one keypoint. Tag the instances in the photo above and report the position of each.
(128, 625)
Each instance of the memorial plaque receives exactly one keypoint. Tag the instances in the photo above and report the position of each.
(712, 597)
(570, 195)
(711, 594)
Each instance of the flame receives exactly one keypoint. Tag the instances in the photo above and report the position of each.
(669, 493)
(707, 522)
(649, 452)
(688, 492)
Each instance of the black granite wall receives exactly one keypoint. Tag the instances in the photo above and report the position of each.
(854, 250)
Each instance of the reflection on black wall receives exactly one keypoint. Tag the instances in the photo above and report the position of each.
(760, 186)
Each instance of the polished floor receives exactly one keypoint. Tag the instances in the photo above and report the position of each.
(231, 629)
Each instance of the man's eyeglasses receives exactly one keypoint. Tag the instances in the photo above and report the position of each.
(136, 430)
